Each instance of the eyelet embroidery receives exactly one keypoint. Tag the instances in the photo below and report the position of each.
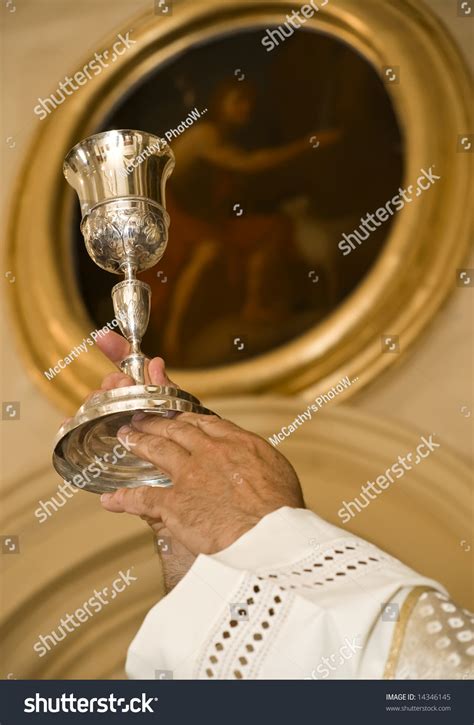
(238, 645)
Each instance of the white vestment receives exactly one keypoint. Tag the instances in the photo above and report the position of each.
(298, 598)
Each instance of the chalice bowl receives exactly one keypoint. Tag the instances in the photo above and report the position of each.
(120, 179)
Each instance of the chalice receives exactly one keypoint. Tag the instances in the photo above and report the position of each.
(120, 178)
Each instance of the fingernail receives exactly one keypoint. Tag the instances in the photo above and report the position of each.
(124, 431)
(105, 497)
(137, 417)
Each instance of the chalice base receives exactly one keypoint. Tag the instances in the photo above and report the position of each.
(87, 452)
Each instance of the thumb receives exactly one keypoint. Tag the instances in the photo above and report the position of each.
(157, 373)
(116, 348)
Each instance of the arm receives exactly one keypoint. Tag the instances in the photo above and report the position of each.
(274, 591)
(232, 158)
(273, 606)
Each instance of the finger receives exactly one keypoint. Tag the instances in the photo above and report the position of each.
(211, 425)
(152, 504)
(142, 501)
(90, 396)
(110, 382)
(157, 373)
(114, 346)
(165, 454)
(116, 380)
(187, 436)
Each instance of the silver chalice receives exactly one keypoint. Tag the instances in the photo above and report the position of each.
(120, 178)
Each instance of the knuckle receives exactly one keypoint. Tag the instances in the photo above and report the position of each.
(173, 426)
(120, 496)
(152, 425)
(139, 494)
(212, 445)
(246, 438)
(142, 496)
(187, 415)
(211, 418)
(155, 446)
(207, 420)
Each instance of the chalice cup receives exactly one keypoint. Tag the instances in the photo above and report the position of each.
(120, 179)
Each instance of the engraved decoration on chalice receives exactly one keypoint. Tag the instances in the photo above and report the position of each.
(120, 179)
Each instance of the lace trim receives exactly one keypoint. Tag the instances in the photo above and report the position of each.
(247, 629)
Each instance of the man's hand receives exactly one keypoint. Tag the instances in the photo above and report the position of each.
(225, 479)
(175, 558)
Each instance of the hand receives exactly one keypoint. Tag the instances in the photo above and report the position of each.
(116, 348)
(225, 479)
(176, 562)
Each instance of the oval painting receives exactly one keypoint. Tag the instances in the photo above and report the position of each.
(278, 156)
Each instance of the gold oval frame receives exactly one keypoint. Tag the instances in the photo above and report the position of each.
(401, 293)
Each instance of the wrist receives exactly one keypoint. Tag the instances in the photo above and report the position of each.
(228, 538)
(175, 560)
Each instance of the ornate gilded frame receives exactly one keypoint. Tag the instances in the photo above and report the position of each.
(412, 277)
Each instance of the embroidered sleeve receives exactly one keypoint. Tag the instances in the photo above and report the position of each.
(434, 639)
(293, 598)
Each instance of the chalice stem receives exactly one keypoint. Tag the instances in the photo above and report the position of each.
(131, 299)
